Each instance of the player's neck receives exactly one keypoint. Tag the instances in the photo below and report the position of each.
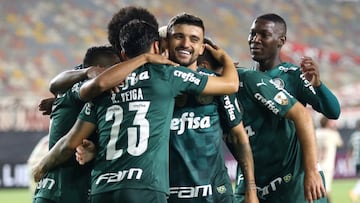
(193, 66)
(267, 65)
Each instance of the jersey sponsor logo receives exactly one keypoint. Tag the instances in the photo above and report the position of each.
(269, 104)
(191, 192)
(189, 121)
(132, 173)
(271, 187)
(46, 183)
(187, 77)
(132, 79)
(281, 98)
(229, 107)
(284, 69)
(307, 84)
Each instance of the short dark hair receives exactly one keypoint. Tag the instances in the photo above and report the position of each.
(207, 56)
(276, 19)
(185, 18)
(103, 56)
(137, 36)
(123, 16)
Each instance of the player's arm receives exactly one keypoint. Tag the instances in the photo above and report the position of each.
(65, 80)
(64, 148)
(116, 74)
(228, 82)
(313, 185)
(328, 103)
(45, 105)
(243, 155)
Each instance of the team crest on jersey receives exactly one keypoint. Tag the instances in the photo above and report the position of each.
(221, 189)
(281, 98)
(204, 99)
(278, 82)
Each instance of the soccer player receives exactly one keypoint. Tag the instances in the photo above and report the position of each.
(197, 124)
(282, 139)
(131, 163)
(71, 182)
(197, 165)
(266, 38)
(123, 16)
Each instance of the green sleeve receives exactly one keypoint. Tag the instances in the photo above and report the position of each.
(328, 103)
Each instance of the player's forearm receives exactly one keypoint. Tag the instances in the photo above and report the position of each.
(243, 155)
(329, 104)
(57, 155)
(65, 80)
(246, 162)
(229, 74)
(110, 78)
(306, 135)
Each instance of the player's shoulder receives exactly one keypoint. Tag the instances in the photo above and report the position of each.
(249, 73)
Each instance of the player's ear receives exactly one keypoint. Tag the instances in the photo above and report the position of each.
(202, 49)
(204, 64)
(123, 55)
(282, 41)
(156, 47)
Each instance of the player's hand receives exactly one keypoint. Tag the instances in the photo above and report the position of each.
(37, 172)
(310, 70)
(218, 53)
(313, 186)
(85, 152)
(45, 105)
(159, 59)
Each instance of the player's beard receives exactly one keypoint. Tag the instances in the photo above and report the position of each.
(183, 62)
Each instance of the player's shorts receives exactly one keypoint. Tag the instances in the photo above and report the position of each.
(221, 192)
(64, 185)
(292, 191)
(129, 196)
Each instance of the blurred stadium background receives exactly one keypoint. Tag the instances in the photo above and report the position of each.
(41, 38)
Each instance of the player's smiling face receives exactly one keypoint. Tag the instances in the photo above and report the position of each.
(264, 39)
(185, 44)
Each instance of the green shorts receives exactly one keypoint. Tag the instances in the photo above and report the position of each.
(292, 191)
(129, 196)
(221, 191)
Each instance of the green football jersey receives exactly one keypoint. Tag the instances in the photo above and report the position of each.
(276, 150)
(70, 182)
(196, 154)
(134, 125)
(289, 76)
